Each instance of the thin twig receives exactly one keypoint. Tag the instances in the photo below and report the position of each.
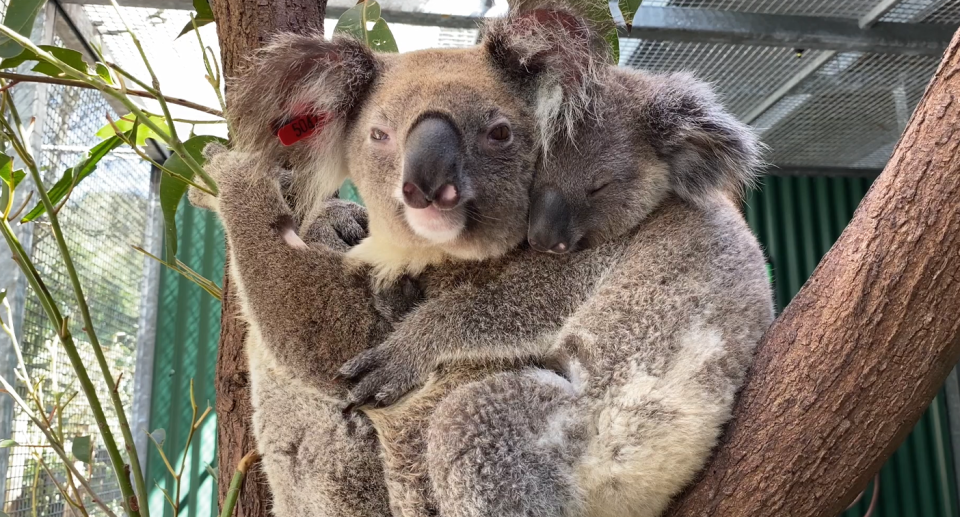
(11, 85)
(51, 437)
(24, 78)
(146, 157)
(63, 491)
(22, 207)
(213, 79)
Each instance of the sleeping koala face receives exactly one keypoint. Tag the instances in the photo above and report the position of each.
(647, 136)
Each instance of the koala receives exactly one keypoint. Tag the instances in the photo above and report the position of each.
(630, 393)
(520, 400)
(443, 151)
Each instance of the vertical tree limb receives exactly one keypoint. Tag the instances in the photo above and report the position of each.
(851, 364)
(242, 26)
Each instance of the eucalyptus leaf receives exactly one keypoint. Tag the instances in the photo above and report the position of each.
(126, 124)
(104, 73)
(5, 194)
(172, 189)
(213, 474)
(363, 22)
(9, 176)
(9, 179)
(159, 436)
(203, 17)
(4, 444)
(82, 449)
(62, 187)
(629, 8)
(70, 57)
(381, 39)
(20, 16)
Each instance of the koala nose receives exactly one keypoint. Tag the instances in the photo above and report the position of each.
(445, 197)
(432, 169)
(550, 223)
(548, 244)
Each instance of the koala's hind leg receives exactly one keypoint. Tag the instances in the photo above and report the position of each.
(319, 461)
(507, 446)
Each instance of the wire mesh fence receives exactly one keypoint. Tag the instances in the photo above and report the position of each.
(905, 11)
(103, 216)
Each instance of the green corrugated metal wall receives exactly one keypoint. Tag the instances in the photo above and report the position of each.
(188, 327)
(796, 219)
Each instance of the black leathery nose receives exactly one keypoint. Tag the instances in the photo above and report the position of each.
(549, 222)
(432, 164)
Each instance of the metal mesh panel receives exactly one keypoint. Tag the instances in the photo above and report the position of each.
(104, 215)
(925, 11)
(826, 8)
(742, 75)
(813, 125)
(178, 62)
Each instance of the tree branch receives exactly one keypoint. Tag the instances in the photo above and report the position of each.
(24, 78)
(849, 367)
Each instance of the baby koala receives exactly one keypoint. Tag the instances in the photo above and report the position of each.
(651, 324)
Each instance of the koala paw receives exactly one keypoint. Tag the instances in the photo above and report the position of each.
(348, 219)
(380, 376)
(342, 226)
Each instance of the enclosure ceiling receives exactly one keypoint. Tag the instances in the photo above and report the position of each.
(836, 107)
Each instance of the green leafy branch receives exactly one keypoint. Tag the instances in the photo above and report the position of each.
(13, 133)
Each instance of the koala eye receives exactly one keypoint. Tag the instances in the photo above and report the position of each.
(378, 134)
(599, 189)
(500, 133)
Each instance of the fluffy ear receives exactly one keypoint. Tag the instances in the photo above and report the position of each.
(708, 150)
(296, 97)
(555, 55)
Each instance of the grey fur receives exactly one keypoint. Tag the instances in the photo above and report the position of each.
(650, 326)
(308, 306)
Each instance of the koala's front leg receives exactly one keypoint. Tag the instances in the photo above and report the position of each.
(509, 317)
(312, 311)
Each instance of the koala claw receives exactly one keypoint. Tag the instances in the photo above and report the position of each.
(378, 378)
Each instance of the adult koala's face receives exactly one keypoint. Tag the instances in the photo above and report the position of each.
(442, 151)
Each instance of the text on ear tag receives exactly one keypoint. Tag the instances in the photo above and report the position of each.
(300, 128)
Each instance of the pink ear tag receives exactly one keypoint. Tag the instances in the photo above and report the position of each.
(301, 127)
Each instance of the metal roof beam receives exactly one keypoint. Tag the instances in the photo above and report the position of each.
(708, 26)
(842, 35)
(873, 15)
(866, 21)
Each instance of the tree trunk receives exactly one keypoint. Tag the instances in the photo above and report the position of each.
(242, 26)
(849, 367)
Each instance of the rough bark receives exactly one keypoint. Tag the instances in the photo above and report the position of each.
(849, 367)
(242, 26)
